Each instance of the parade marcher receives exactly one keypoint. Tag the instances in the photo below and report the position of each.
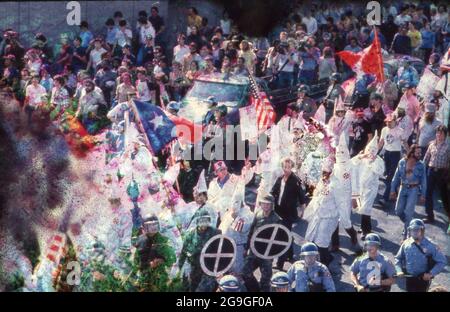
(289, 202)
(418, 259)
(437, 159)
(391, 141)
(404, 122)
(367, 168)
(222, 188)
(280, 282)
(341, 121)
(372, 272)
(193, 244)
(308, 274)
(322, 212)
(236, 223)
(362, 132)
(406, 74)
(342, 174)
(410, 181)
(427, 127)
(265, 215)
(229, 283)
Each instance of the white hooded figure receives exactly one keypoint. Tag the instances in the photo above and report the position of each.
(236, 224)
(322, 212)
(342, 174)
(341, 121)
(137, 161)
(367, 169)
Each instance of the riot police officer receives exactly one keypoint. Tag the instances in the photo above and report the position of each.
(333, 92)
(229, 283)
(263, 216)
(372, 272)
(418, 259)
(280, 282)
(308, 274)
(194, 242)
(154, 256)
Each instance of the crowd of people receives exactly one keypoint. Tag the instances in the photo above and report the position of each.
(326, 157)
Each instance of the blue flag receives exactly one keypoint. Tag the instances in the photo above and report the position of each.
(157, 126)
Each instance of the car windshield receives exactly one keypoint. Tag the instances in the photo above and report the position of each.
(221, 91)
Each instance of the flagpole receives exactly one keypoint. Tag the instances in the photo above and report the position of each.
(380, 56)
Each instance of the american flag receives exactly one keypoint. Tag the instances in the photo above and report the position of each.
(265, 114)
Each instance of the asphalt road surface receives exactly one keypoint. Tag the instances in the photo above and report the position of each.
(389, 227)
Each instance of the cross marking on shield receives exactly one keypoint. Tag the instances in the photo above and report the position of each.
(271, 242)
(224, 242)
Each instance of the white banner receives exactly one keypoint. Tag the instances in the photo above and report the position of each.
(249, 129)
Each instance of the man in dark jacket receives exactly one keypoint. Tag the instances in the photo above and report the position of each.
(289, 201)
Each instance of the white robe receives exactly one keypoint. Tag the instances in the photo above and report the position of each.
(365, 175)
(342, 174)
(238, 229)
(220, 197)
(322, 213)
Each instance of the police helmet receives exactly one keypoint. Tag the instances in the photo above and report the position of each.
(372, 239)
(280, 280)
(229, 283)
(268, 199)
(309, 249)
(303, 89)
(211, 100)
(151, 224)
(175, 106)
(335, 77)
(222, 109)
(203, 218)
(416, 224)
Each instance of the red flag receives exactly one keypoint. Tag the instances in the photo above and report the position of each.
(265, 114)
(349, 57)
(187, 131)
(372, 60)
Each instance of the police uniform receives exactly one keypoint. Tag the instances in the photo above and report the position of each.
(192, 247)
(415, 259)
(252, 262)
(366, 268)
(316, 278)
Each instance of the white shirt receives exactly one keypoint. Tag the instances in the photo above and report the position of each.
(311, 25)
(180, 52)
(145, 31)
(283, 184)
(124, 38)
(289, 68)
(96, 56)
(144, 92)
(402, 19)
(226, 26)
(392, 139)
(35, 94)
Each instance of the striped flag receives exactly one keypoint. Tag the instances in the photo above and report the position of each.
(265, 114)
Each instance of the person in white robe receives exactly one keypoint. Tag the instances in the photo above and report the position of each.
(236, 224)
(367, 169)
(342, 174)
(322, 212)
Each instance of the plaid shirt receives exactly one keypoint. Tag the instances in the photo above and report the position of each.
(438, 156)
